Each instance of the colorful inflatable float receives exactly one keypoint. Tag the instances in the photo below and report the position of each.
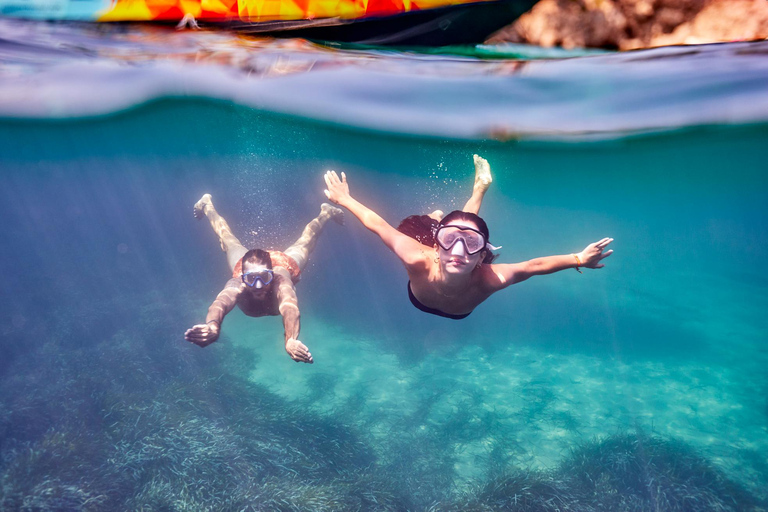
(400, 22)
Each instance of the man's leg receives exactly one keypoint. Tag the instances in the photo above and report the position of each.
(483, 180)
(303, 247)
(229, 242)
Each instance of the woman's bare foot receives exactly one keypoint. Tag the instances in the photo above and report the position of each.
(483, 177)
(199, 209)
(332, 212)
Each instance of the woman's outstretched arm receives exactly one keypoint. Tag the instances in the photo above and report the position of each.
(406, 248)
(590, 257)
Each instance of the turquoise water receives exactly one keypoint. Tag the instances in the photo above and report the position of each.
(641, 386)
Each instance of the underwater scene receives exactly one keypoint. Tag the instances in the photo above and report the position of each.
(638, 386)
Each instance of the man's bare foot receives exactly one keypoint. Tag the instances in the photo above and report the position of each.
(333, 212)
(436, 215)
(483, 177)
(199, 209)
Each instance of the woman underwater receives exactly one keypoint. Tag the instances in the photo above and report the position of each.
(448, 258)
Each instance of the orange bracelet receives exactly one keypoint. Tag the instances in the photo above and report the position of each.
(578, 263)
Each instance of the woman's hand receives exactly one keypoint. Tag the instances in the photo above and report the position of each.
(338, 190)
(594, 253)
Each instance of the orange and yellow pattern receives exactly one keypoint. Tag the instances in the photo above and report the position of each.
(255, 11)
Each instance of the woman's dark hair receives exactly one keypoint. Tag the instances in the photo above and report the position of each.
(256, 256)
(477, 220)
(469, 217)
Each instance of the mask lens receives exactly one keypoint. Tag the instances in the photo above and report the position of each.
(265, 276)
(473, 241)
(447, 236)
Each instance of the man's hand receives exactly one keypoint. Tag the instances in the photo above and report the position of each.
(338, 190)
(298, 351)
(203, 335)
(593, 254)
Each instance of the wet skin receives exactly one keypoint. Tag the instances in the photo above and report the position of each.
(255, 301)
(453, 281)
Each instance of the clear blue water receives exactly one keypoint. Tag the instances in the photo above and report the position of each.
(643, 382)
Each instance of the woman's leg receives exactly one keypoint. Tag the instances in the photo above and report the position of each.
(303, 247)
(229, 242)
(483, 180)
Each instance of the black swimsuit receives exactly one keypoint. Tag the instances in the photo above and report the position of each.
(422, 228)
(432, 311)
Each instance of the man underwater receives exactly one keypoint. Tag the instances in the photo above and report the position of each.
(263, 282)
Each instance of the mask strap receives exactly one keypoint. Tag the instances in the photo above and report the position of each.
(492, 247)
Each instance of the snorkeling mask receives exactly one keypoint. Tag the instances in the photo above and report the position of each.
(265, 276)
(474, 240)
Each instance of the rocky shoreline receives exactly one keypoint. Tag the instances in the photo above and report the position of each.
(633, 24)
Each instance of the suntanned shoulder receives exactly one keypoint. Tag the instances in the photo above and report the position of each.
(284, 289)
(281, 274)
(499, 276)
(235, 283)
(415, 255)
(232, 291)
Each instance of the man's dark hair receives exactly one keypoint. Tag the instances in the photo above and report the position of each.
(256, 256)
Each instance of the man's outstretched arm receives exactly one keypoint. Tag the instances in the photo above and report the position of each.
(203, 335)
(288, 305)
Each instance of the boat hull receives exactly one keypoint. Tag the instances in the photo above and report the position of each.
(469, 23)
(377, 22)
